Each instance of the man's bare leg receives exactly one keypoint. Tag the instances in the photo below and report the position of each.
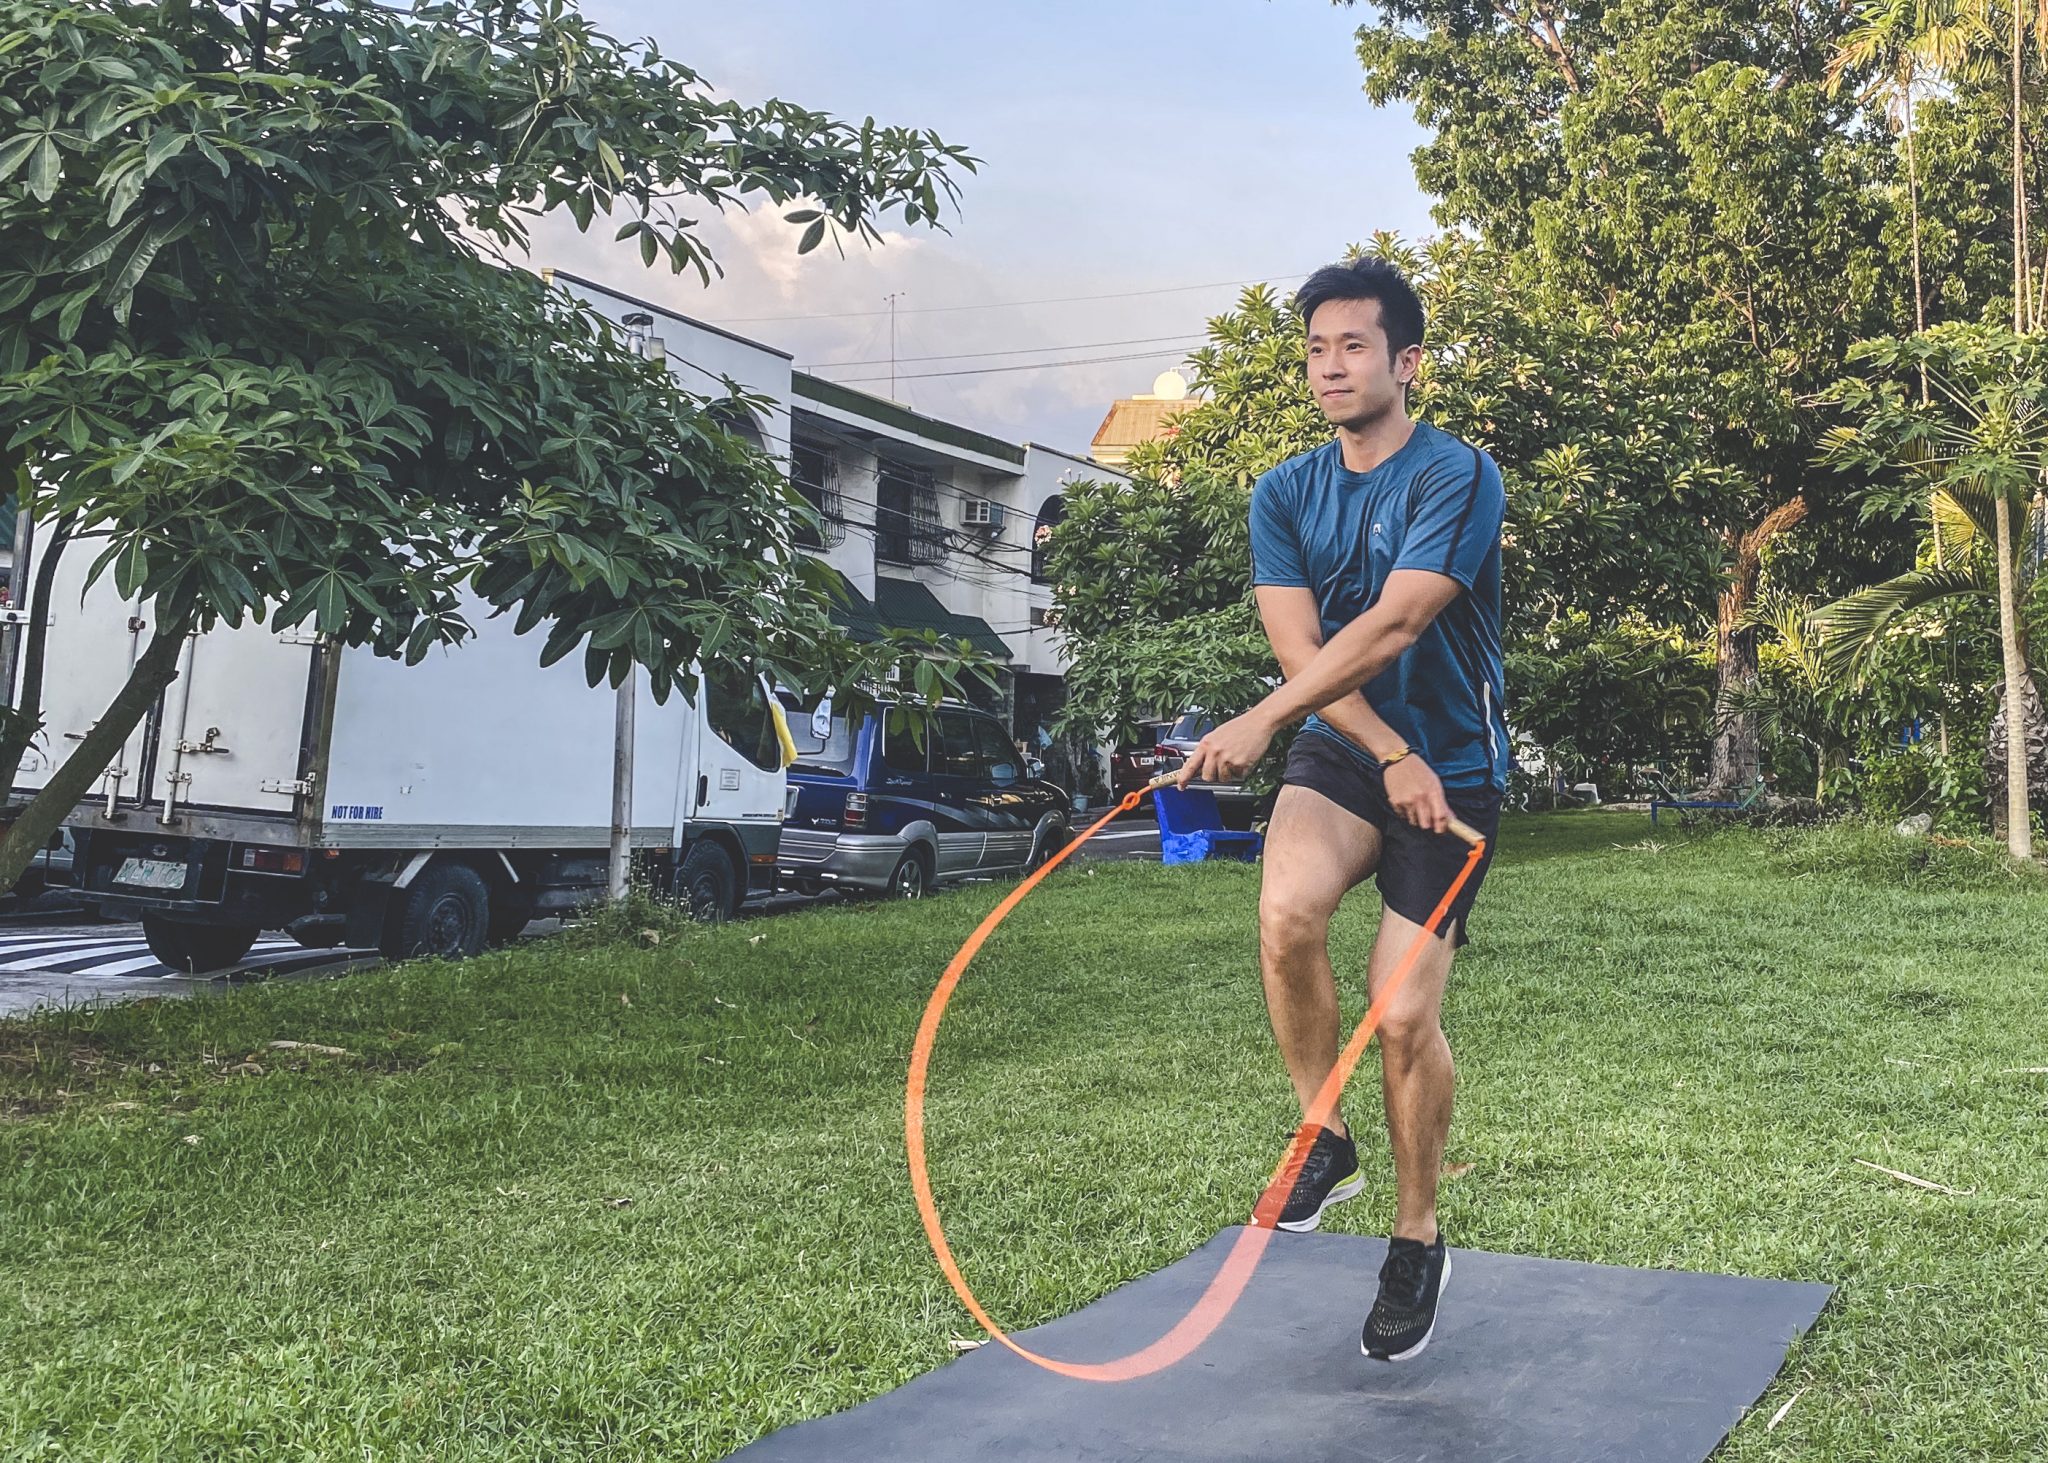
(1315, 852)
(1417, 1077)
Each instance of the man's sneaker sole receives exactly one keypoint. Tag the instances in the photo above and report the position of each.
(1351, 1188)
(1442, 1282)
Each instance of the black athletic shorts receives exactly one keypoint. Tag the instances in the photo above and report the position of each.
(1415, 867)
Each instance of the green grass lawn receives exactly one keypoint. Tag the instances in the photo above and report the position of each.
(585, 1201)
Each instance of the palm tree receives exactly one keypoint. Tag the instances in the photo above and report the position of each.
(1900, 43)
(1980, 447)
(1810, 696)
(1976, 30)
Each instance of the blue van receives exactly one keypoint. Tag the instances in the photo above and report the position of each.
(878, 812)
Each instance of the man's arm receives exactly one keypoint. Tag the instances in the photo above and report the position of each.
(1365, 647)
(1294, 628)
(1354, 655)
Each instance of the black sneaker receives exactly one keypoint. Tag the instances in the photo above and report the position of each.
(1329, 1175)
(1404, 1316)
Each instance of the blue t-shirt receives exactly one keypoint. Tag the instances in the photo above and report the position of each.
(1436, 505)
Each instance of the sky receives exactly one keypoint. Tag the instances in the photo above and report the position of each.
(1128, 149)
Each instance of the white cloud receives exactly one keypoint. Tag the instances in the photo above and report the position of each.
(842, 302)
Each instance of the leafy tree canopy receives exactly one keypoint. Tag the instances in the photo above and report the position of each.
(263, 355)
(1602, 444)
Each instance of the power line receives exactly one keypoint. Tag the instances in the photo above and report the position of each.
(1031, 366)
(1176, 289)
(1018, 351)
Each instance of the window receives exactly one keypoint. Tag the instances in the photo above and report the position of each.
(824, 742)
(737, 709)
(958, 753)
(995, 750)
(1049, 515)
(907, 527)
(811, 474)
(901, 751)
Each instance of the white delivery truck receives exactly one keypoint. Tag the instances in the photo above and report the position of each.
(286, 783)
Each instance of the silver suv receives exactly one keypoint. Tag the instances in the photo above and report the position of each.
(1234, 800)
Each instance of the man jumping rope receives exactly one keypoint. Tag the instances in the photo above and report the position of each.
(1376, 562)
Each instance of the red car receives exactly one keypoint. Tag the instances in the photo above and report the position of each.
(1137, 762)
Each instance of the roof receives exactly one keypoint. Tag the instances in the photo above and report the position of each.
(902, 418)
(1137, 419)
(904, 604)
(668, 310)
(1078, 459)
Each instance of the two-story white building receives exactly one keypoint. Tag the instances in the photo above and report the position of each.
(931, 524)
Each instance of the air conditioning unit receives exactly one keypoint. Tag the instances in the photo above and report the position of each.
(982, 514)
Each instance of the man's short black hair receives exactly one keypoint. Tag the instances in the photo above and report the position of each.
(1401, 313)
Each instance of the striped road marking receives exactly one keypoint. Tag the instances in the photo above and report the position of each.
(123, 951)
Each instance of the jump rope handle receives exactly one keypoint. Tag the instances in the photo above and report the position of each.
(1459, 826)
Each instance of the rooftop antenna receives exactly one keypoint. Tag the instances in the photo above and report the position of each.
(892, 299)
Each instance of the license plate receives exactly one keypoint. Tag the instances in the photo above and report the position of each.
(151, 873)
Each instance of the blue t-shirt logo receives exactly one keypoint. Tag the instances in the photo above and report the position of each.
(1437, 505)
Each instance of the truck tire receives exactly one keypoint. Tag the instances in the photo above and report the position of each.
(706, 884)
(1051, 837)
(445, 914)
(913, 877)
(194, 948)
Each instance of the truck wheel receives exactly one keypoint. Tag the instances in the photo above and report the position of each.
(445, 913)
(1051, 838)
(913, 877)
(195, 949)
(707, 883)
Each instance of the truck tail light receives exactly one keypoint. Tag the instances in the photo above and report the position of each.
(272, 861)
(856, 810)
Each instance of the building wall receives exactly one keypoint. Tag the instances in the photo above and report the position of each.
(701, 357)
(981, 571)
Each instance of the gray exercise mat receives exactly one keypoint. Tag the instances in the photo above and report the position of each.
(1534, 1361)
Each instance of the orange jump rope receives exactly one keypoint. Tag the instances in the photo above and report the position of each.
(1208, 1312)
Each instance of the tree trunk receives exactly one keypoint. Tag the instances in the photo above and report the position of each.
(2034, 740)
(1913, 199)
(28, 718)
(1733, 760)
(2019, 832)
(2021, 275)
(155, 669)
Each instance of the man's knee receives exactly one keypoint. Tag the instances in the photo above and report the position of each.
(1291, 923)
(1408, 1033)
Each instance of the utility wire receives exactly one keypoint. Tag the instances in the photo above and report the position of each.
(997, 370)
(1176, 289)
(1027, 350)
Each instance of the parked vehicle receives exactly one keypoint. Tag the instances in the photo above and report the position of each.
(881, 812)
(1137, 762)
(1238, 804)
(286, 783)
(50, 870)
